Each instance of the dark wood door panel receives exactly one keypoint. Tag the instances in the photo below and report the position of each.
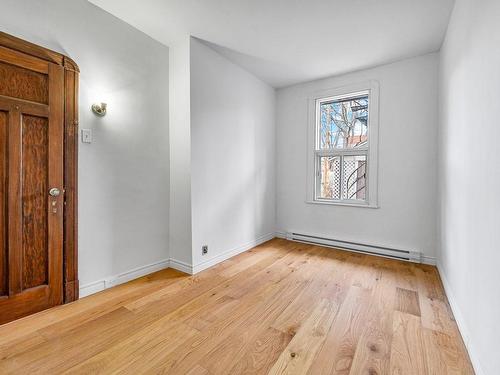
(38, 152)
(35, 166)
(29, 302)
(24, 84)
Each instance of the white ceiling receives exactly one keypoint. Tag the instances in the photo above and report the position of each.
(289, 41)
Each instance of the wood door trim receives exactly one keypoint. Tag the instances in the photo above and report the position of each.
(33, 108)
(20, 59)
(32, 49)
(21, 45)
(71, 288)
(70, 147)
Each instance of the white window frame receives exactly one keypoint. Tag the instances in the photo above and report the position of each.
(370, 88)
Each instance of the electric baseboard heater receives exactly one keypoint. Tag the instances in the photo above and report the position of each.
(411, 256)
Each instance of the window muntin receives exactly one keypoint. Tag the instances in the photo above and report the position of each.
(342, 148)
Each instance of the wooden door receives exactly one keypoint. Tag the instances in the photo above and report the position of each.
(31, 184)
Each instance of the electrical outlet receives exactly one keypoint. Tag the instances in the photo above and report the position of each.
(87, 135)
(204, 250)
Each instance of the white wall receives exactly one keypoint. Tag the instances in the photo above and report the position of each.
(407, 161)
(232, 154)
(469, 256)
(124, 174)
(180, 154)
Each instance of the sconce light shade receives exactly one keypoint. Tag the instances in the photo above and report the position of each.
(99, 109)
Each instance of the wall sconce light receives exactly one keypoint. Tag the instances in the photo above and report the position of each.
(99, 109)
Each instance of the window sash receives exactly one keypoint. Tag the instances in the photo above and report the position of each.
(317, 180)
(317, 116)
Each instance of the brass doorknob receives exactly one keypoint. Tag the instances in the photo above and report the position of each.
(54, 192)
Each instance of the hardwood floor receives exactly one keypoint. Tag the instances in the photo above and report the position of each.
(282, 307)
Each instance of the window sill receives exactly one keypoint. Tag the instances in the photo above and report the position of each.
(347, 204)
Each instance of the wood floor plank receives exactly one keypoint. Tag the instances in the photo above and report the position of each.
(444, 354)
(407, 301)
(163, 337)
(434, 308)
(22, 344)
(198, 370)
(331, 280)
(338, 350)
(433, 358)
(406, 275)
(262, 353)
(373, 351)
(299, 354)
(283, 307)
(367, 272)
(407, 351)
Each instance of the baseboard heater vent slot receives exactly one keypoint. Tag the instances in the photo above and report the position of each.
(387, 252)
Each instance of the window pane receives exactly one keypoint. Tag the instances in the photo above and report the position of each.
(354, 177)
(344, 123)
(330, 177)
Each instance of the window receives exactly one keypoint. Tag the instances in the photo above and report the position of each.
(343, 159)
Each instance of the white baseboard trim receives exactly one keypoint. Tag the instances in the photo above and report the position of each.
(280, 235)
(137, 272)
(91, 288)
(108, 282)
(459, 318)
(181, 266)
(231, 253)
(431, 261)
